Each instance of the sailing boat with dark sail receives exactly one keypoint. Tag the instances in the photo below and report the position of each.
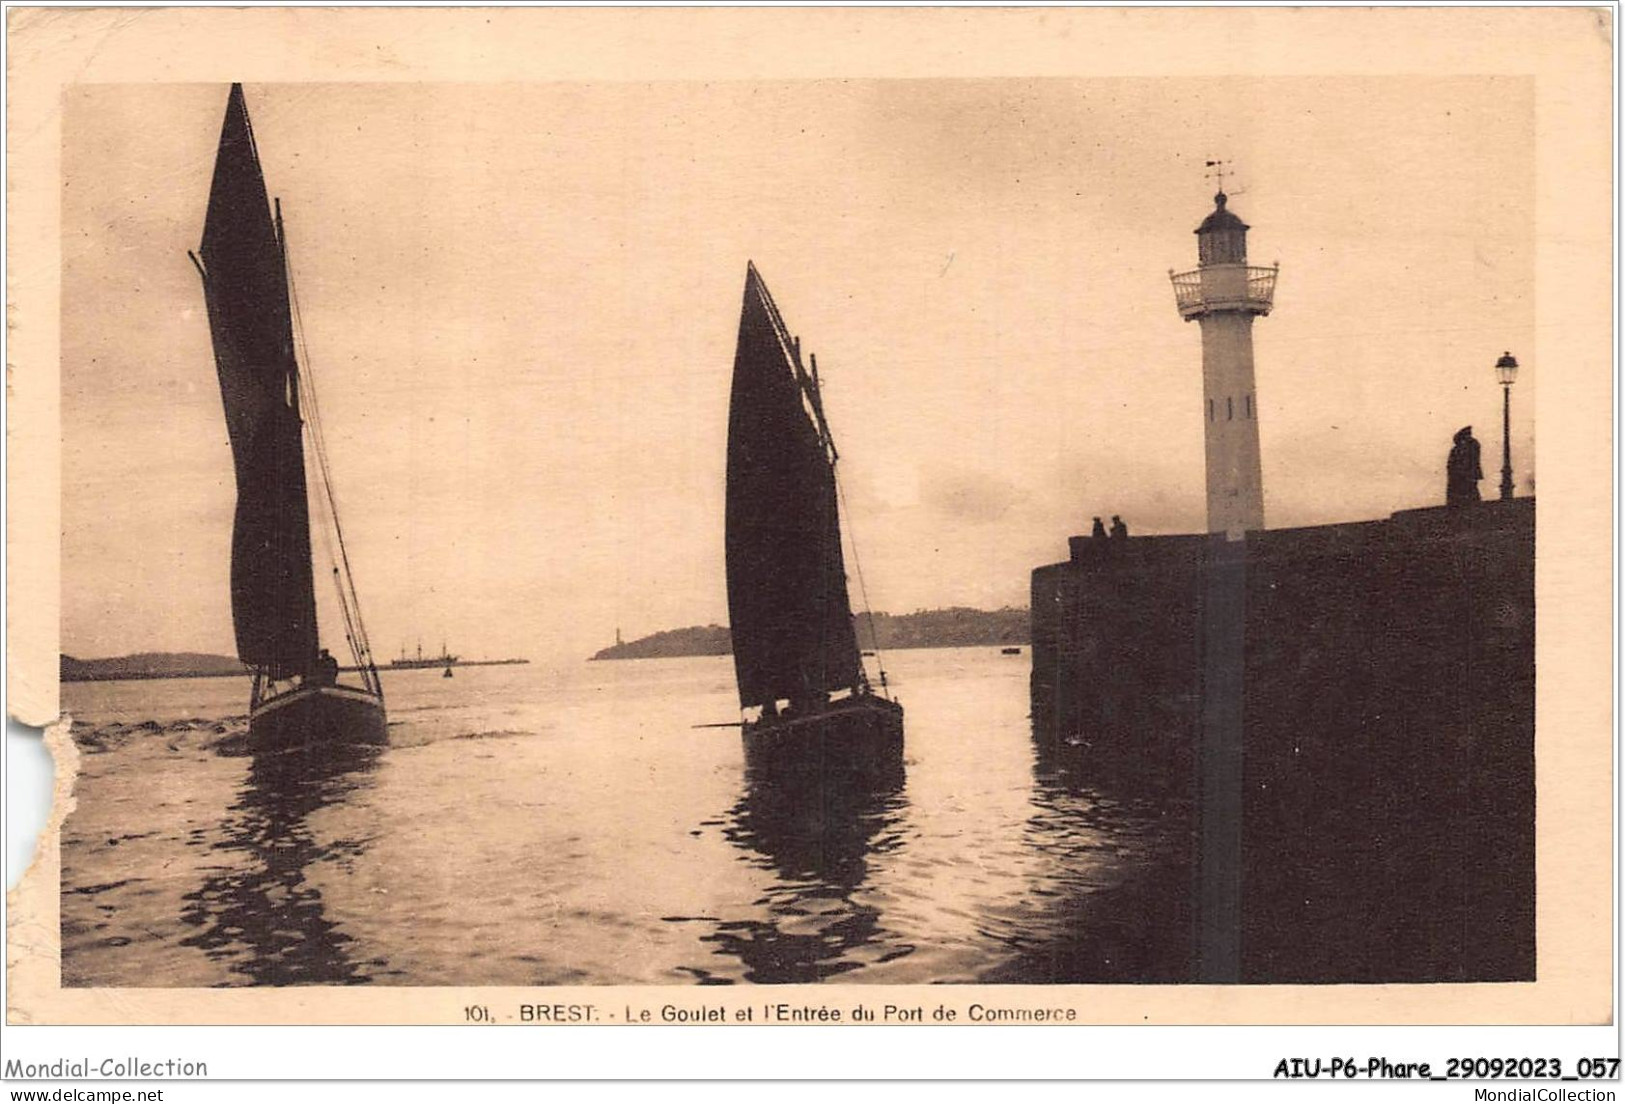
(794, 643)
(297, 703)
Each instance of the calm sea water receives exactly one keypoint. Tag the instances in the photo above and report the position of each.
(532, 826)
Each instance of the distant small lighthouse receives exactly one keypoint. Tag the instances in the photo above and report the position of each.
(1224, 293)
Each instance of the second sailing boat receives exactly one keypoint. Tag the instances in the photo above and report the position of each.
(297, 703)
(794, 644)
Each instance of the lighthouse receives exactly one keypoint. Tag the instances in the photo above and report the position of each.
(1224, 294)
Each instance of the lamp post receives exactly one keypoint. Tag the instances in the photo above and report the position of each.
(1506, 371)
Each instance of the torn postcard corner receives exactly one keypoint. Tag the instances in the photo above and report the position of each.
(33, 905)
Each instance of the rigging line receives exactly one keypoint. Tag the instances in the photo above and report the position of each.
(346, 587)
(344, 606)
(323, 503)
(351, 600)
(863, 588)
(809, 387)
(332, 560)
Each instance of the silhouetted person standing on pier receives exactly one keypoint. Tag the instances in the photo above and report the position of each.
(1099, 531)
(1462, 470)
(1119, 530)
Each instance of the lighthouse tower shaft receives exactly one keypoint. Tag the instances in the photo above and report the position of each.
(1235, 475)
(1224, 294)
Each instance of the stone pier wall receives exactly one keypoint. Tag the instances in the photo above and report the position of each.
(1387, 729)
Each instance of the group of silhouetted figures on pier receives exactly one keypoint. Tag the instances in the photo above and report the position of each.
(1463, 471)
(1119, 531)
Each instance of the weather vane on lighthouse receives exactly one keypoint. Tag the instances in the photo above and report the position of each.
(1224, 293)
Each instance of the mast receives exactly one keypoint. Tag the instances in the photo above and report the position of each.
(789, 610)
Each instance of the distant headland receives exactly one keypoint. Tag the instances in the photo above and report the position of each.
(955, 627)
(164, 665)
(149, 665)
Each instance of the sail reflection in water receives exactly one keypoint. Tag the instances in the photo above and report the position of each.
(530, 826)
(817, 842)
(265, 920)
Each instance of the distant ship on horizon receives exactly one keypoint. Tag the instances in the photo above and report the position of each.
(404, 661)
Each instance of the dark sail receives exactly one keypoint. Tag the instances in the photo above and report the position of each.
(787, 601)
(273, 603)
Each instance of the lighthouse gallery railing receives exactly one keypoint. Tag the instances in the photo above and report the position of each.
(1226, 287)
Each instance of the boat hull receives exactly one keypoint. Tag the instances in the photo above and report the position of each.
(860, 737)
(316, 720)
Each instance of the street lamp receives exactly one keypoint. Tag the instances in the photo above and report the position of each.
(1506, 371)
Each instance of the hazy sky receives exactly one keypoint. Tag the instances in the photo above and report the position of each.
(520, 303)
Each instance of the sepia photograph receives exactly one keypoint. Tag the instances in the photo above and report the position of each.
(718, 638)
(1014, 532)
